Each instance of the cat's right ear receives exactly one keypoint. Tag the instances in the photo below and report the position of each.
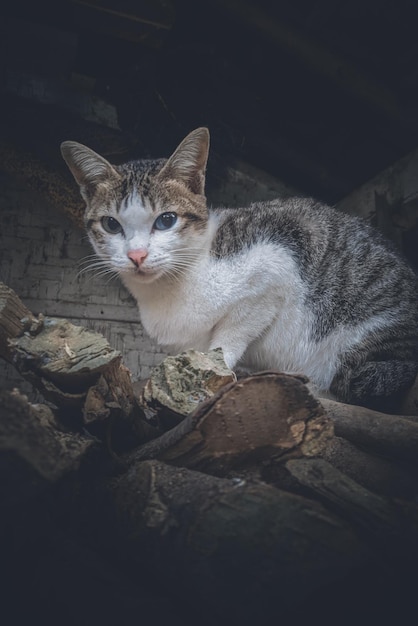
(87, 167)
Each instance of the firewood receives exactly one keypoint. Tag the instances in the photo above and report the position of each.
(219, 532)
(15, 319)
(256, 418)
(240, 549)
(73, 368)
(409, 404)
(35, 453)
(382, 522)
(394, 436)
(381, 475)
(180, 383)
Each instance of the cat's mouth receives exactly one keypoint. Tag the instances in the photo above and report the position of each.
(145, 274)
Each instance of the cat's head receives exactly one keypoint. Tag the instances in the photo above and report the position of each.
(146, 219)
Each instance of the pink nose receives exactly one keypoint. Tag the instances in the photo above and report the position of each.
(138, 256)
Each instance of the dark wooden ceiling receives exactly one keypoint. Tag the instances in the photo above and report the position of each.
(320, 94)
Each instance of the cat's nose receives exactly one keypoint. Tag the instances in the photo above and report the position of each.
(138, 256)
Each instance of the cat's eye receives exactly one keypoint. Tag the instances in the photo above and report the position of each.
(165, 221)
(111, 225)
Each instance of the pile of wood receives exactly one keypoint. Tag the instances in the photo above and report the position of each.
(196, 497)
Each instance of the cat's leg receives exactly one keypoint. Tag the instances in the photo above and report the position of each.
(245, 322)
(235, 333)
(375, 384)
(233, 348)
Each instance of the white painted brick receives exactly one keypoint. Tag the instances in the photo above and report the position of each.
(41, 256)
(48, 289)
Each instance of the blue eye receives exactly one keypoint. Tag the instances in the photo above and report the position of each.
(111, 225)
(165, 221)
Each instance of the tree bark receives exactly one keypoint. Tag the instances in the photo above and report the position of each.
(35, 452)
(73, 368)
(246, 422)
(15, 319)
(393, 436)
(244, 551)
(384, 524)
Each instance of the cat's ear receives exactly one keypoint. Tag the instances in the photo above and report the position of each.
(87, 167)
(188, 163)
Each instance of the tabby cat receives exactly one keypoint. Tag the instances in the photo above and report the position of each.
(290, 284)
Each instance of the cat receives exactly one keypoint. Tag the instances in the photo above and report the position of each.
(290, 284)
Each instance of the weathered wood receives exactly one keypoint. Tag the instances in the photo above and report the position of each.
(34, 451)
(245, 422)
(180, 383)
(394, 436)
(74, 368)
(15, 318)
(70, 358)
(409, 405)
(239, 549)
(378, 474)
(112, 391)
(381, 522)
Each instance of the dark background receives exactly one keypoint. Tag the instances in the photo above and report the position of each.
(321, 94)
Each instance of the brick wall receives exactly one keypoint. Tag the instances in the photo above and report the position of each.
(40, 255)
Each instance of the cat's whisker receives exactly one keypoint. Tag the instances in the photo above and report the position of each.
(93, 255)
(96, 266)
(91, 260)
(91, 270)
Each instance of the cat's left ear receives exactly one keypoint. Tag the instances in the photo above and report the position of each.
(188, 163)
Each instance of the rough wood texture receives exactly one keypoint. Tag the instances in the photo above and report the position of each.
(245, 422)
(409, 405)
(180, 383)
(394, 436)
(34, 451)
(242, 550)
(74, 368)
(62, 358)
(378, 474)
(382, 523)
(238, 545)
(15, 318)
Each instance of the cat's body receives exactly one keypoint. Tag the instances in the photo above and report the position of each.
(290, 285)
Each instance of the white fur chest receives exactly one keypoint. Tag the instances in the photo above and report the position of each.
(231, 300)
(178, 317)
(181, 314)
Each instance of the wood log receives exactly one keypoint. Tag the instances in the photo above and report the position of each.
(15, 319)
(62, 360)
(34, 452)
(180, 383)
(381, 475)
(383, 523)
(256, 418)
(409, 405)
(393, 436)
(243, 551)
(73, 368)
